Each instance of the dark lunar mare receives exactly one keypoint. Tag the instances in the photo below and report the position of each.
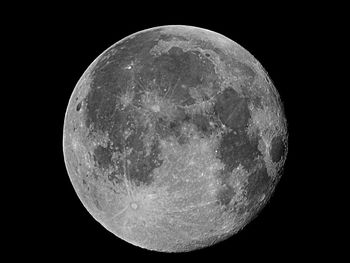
(278, 148)
(104, 114)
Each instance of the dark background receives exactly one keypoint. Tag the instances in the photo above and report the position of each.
(62, 46)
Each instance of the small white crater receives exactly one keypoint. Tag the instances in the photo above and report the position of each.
(134, 205)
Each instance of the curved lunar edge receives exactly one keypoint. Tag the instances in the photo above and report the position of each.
(174, 138)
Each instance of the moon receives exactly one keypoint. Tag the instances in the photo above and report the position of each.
(175, 138)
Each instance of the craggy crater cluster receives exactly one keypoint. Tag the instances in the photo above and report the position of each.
(175, 138)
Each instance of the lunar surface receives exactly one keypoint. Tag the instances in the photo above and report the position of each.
(175, 138)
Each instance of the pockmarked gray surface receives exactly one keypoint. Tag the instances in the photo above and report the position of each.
(175, 138)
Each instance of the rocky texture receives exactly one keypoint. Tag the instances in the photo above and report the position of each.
(174, 138)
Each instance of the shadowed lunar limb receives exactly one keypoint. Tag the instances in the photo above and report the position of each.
(175, 138)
